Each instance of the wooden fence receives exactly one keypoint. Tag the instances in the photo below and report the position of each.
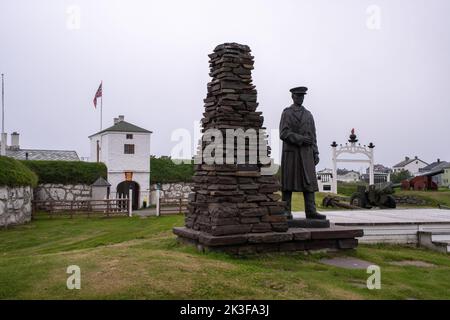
(170, 206)
(107, 207)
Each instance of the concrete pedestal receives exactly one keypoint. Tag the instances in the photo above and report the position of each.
(308, 223)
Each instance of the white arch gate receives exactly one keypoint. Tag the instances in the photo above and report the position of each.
(352, 148)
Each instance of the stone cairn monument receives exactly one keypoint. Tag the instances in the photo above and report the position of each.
(235, 205)
(234, 198)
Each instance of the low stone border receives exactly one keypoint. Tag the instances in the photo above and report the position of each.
(295, 239)
(413, 200)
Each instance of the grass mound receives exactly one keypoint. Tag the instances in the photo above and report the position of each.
(13, 173)
(67, 172)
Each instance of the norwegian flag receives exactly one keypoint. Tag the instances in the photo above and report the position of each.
(98, 94)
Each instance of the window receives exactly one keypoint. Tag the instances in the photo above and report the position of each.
(128, 148)
(129, 136)
(326, 187)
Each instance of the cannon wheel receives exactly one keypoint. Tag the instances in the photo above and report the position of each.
(358, 200)
(390, 202)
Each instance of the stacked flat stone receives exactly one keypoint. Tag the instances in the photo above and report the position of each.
(234, 198)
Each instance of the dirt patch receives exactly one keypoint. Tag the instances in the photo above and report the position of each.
(413, 263)
(347, 263)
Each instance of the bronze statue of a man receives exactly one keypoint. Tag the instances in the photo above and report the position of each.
(300, 154)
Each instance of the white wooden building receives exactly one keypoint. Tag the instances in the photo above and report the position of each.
(325, 180)
(125, 149)
(413, 165)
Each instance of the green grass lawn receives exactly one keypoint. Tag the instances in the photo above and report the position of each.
(139, 258)
(299, 205)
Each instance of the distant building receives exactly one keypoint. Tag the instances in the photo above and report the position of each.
(380, 169)
(378, 177)
(125, 149)
(347, 175)
(14, 151)
(446, 177)
(380, 174)
(326, 170)
(433, 165)
(324, 180)
(341, 172)
(413, 165)
(438, 170)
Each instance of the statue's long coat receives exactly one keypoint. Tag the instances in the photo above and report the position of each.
(298, 170)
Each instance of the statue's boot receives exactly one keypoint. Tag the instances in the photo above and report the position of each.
(287, 197)
(316, 215)
(310, 207)
(288, 215)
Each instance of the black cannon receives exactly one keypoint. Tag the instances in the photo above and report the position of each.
(376, 195)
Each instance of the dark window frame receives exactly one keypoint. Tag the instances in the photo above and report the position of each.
(129, 149)
(129, 136)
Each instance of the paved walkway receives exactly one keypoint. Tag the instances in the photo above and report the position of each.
(380, 225)
(367, 217)
(391, 225)
(385, 216)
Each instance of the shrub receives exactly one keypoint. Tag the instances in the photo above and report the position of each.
(164, 170)
(67, 172)
(397, 177)
(13, 173)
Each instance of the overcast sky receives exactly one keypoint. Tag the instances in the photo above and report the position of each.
(382, 67)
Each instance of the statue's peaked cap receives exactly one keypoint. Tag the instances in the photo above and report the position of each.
(299, 90)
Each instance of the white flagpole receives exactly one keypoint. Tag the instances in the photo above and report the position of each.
(101, 108)
(101, 112)
(3, 104)
(3, 134)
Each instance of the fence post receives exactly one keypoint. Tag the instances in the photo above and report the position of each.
(157, 203)
(33, 210)
(108, 207)
(130, 197)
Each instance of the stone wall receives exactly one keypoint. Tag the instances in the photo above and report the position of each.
(15, 205)
(50, 191)
(409, 200)
(171, 191)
